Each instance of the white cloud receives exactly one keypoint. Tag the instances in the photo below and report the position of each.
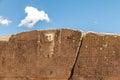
(33, 16)
(4, 21)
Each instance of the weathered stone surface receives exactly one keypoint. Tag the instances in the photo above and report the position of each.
(62, 54)
(39, 55)
(4, 38)
(99, 58)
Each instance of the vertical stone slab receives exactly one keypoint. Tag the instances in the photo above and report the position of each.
(17, 53)
(57, 52)
(3, 45)
(99, 58)
(39, 55)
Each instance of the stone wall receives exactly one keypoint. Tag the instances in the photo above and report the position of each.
(61, 54)
(98, 58)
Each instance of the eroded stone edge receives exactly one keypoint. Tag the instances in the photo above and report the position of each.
(77, 54)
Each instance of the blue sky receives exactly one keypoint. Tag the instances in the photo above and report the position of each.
(86, 15)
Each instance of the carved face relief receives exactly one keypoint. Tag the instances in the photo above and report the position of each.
(49, 37)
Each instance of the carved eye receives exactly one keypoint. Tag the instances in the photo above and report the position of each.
(49, 38)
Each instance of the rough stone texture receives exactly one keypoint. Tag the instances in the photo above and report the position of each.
(39, 55)
(4, 38)
(62, 54)
(99, 58)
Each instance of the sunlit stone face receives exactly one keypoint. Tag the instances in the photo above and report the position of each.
(49, 37)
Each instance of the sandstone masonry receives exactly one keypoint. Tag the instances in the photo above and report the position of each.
(61, 54)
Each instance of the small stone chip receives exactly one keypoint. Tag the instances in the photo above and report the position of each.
(86, 46)
(101, 48)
